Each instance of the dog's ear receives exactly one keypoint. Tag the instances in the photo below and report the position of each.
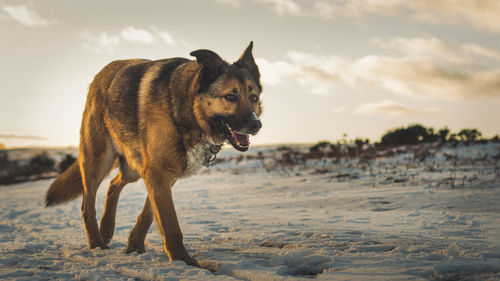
(247, 62)
(211, 67)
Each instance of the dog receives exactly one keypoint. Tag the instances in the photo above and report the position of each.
(160, 121)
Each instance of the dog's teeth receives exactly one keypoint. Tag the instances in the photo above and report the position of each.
(243, 145)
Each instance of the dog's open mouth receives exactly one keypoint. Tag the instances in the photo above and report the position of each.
(239, 141)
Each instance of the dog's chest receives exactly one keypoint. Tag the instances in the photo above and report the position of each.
(199, 156)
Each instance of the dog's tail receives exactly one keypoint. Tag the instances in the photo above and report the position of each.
(67, 187)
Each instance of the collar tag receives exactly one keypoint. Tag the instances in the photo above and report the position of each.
(212, 154)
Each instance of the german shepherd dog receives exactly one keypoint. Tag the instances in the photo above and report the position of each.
(158, 120)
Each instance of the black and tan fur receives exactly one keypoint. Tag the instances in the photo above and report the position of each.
(157, 120)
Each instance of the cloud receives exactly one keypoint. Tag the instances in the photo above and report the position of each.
(107, 43)
(133, 34)
(349, 9)
(24, 137)
(280, 7)
(100, 43)
(319, 74)
(425, 68)
(24, 15)
(481, 51)
(276, 72)
(165, 36)
(391, 108)
(425, 78)
(422, 48)
(284, 7)
(482, 14)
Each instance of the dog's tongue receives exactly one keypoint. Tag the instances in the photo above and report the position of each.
(241, 139)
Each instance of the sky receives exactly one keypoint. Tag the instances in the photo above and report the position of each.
(328, 67)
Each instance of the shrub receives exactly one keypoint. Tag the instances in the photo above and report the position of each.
(41, 163)
(335, 150)
(4, 159)
(413, 134)
(320, 146)
(443, 134)
(469, 135)
(359, 142)
(66, 162)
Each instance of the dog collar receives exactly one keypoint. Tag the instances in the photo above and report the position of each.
(211, 151)
(214, 149)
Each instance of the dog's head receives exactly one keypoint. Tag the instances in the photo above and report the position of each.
(228, 106)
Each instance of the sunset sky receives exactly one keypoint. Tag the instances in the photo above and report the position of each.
(358, 67)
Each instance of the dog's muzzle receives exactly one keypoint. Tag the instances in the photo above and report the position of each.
(253, 124)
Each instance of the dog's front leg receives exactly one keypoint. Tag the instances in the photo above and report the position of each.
(159, 183)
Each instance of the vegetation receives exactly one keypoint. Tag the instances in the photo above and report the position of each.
(411, 135)
(4, 159)
(66, 162)
(41, 163)
(320, 146)
(469, 135)
(417, 133)
(40, 166)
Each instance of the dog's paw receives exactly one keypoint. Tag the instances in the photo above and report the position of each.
(99, 244)
(106, 235)
(191, 261)
(140, 249)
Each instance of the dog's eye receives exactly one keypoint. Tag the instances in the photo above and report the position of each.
(254, 98)
(250, 88)
(231, 98)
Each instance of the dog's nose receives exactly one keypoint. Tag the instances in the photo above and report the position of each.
(254, 123)
(255, 126)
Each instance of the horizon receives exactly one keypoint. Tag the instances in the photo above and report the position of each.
(345, 138)
(328, 68)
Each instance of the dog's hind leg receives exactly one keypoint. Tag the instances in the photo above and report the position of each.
(138, 234)
(125, 176)
(107, 227)
(96, 160)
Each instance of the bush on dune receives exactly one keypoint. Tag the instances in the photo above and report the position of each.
(410, 135)
(66, 162)
(40, 166)
(4, 159)
(41, 163)
(418, 134)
